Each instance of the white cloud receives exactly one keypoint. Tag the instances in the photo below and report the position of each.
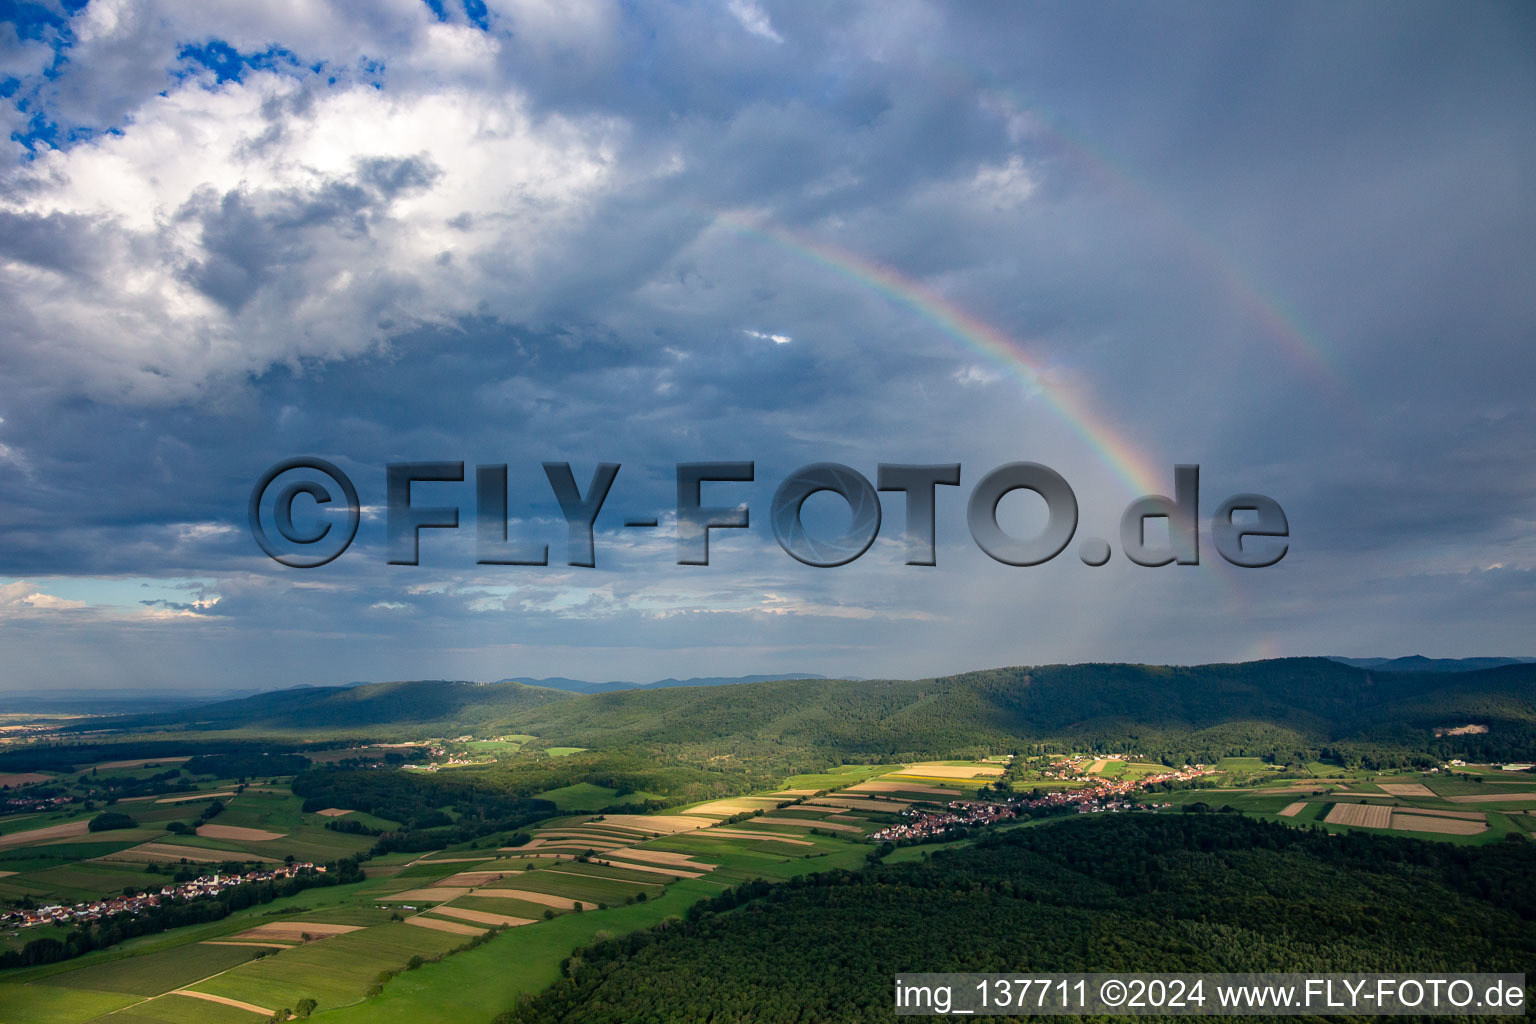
(971, 376)
(1004, 185)
(279, 220)
(777, 339)
(754, 19)
(22, 596)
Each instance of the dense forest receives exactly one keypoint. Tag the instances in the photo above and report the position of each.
(416, 801)
(1171, 892)
(1286, 710)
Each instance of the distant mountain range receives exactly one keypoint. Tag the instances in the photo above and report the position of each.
(1419, 663)
(583, 686)
(1278, 706)
(129, 701)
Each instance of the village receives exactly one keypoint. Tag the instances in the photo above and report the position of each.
(96, 910)
(1100, 796)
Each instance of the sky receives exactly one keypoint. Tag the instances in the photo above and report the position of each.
(1290, 243)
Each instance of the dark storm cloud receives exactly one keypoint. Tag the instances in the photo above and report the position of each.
(250, 238)
(1290, 243)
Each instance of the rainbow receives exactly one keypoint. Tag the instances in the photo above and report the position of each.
(1280, 322)
(1139, 473)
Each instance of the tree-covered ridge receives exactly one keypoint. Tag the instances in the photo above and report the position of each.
(503, 790)
(416, 702)
(1171, 892)
(1292, 709)
(1272, 708)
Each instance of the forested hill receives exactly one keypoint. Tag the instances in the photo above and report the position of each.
(1281, 707)
(422, 702)
(1268, 707)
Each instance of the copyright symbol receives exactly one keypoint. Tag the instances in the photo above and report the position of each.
(1112, 992)
(282, 512)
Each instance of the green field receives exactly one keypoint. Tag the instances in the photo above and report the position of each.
(40, 1004)
(333, 971)
(836, 778)
(584, 796)
(177, 1009)
(156, 972)
(587, 889)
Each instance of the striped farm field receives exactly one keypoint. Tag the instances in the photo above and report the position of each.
(760, 837)
(1361, 815)
(574, 845)
(37, 835)
(451, 927)
(651, 882)
(420, 874)
(889, 786)
(225, 1001)
(163, 852)
(656, 824)
(599, 870)
(949, 771)
(661, 857)
(855, 804)
(1291, 810)
(587, 888)
(236, 832)
(804, 823)
(520, 909)
(1437, 824)
(529, 896)
(598, 835)
(294, 931)
(474, 878)
(431, 894)
(1495, 798)
(735, 805)
(807, 811)
(1417, 789)
(653, 869)
(1436, 812)
(192, 797)
(483, 917)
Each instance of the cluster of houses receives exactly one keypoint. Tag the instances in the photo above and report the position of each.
(20, 804)
(1100, 796)
(450, 761)
(96, 910)
(921, 824)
